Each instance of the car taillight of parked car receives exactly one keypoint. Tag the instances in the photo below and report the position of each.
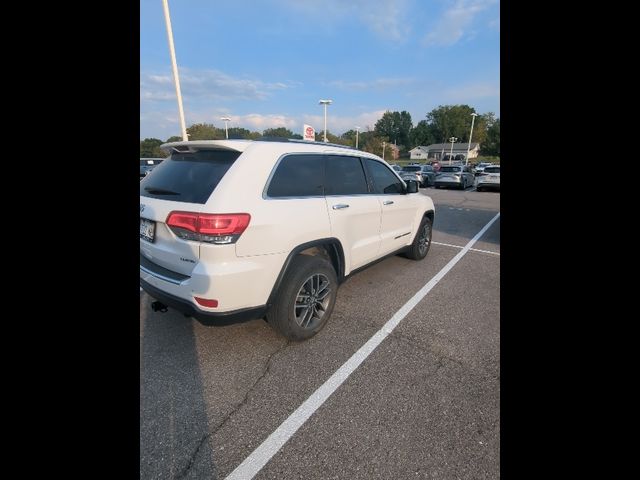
(215, 228)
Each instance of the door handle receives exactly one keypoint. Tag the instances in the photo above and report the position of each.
(340, 206)
(387, 202)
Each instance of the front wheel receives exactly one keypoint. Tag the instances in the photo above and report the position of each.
(421, 244)
(306, 298)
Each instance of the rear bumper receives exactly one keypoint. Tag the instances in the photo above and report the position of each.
(207, 318)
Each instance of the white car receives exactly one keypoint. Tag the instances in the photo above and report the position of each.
(490, 178)
(232, 230)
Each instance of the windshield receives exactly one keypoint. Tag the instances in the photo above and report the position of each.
(188, 176)
(492, 170)
(449, 169)
(411, 168)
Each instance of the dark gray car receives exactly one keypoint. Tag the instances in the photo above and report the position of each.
(147, 164)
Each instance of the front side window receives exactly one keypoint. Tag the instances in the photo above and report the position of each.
(298, 176)
(344, 176)
(385, 182)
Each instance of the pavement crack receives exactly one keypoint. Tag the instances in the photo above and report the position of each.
(192, 459)
(265, 371)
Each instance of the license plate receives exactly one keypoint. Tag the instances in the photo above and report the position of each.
(147, 229)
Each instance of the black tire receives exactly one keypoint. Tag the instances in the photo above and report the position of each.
(421, 244)
(478, 189)
(290, 315)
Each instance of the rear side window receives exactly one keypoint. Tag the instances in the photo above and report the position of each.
(492, 170)
(188, 177)
(298, 176)
(384, 180)
(345, 176)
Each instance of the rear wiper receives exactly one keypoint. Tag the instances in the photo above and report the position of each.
(160, 191)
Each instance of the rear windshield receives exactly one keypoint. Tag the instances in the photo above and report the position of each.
(492, 170)
(449, 169)
(411, 169)
(188, 177)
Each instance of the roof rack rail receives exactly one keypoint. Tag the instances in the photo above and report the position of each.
(296, 140)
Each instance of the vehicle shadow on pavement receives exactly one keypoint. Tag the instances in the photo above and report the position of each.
(173, 419)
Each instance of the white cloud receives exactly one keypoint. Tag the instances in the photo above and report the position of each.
(386, 18)
(451, 27)
(204, 84)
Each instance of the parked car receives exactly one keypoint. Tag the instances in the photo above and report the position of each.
(490, 178)
(412, 172)
(232, 230)
(480, 168)
(454, 176)
(396, 167)
(148, 164)
(428, 175)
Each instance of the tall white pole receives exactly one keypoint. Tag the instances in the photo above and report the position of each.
(176, 79)
(226, 130)
(473, 117)
(325, 122)
(452, 139)
(357, 131)
(384, 144)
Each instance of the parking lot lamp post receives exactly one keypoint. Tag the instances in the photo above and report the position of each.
(357, 130)
(473, 117)
(452, 139)
(174, 65)
(325, 103)
(226, 130)
(384, 144)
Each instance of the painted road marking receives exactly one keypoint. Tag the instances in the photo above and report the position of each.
(458, 246)
(274, 442)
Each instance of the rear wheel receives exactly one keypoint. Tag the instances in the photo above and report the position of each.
(306, 298)
(422, 242)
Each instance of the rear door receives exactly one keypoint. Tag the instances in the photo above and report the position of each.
(353, 212)
(398, 210)
(183, 182)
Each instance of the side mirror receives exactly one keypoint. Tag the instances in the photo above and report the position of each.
(412, 186)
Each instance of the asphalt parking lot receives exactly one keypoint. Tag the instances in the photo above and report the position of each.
(424, 404)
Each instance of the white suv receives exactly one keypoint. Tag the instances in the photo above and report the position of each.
(233, 230)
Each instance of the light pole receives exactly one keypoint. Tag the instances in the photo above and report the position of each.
(384, 144)
(174, 65)
(357, 130)
(473, 117)
(325, 103)
(226, 130)
(452, 139)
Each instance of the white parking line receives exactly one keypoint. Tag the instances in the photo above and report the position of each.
(472, 249)
(274, 442)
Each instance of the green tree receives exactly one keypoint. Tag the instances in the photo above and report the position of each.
(396, 126)
(492, 144)
(373, 144)
(278, 132)
(150, 148)
(205, 131)
(174, 138)
(237, 132)
(422, 134)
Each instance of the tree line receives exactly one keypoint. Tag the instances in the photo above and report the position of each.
(395, 128)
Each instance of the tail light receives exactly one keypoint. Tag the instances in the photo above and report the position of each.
(214, 228)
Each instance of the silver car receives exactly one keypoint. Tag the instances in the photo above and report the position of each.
(454, 176)
(490, 178)
(412, 172)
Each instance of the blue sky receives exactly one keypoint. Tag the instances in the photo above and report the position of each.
(266, 63)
